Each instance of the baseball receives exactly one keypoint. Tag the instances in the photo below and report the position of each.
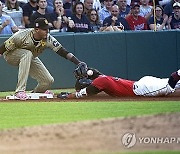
(90, 72)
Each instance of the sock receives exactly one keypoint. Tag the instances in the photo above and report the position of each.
(174, 78)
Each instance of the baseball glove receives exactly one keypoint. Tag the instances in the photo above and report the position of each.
(82, 83)
(81, 70)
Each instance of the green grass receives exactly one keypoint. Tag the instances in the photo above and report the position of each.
(141, 152)
(13, 115)
(151, 152)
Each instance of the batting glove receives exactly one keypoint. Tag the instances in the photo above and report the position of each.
(63, 95)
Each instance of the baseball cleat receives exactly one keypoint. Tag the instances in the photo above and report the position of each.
(49, 92)
(21, 95)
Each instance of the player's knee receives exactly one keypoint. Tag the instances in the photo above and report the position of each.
(28, 53)
(50, 81)
(47, 82)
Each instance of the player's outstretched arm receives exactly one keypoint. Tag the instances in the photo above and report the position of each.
(66, 95)
(88, 91)
(67, 55)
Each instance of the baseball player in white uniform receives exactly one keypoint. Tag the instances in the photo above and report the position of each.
(23, 48)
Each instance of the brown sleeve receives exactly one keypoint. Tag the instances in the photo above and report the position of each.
(67, 55)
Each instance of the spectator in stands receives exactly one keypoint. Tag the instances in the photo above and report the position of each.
(22, 2)
(168, 9)
(135, 21)
(94, 20)
(114, 22)
(174, 20)
(88, 5)
(106, 10)
(124, 9)
(28, 9)
(129, 2)
(50, 6)
(160, 22)
(81, 23)
(7, 25)
(15, 12)
(60, 17)
(146, 10)
(97, 5)
(3, 1)
(162, 2)
(67, 4)
(41, 13)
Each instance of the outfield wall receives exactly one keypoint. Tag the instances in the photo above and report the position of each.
(128, 55)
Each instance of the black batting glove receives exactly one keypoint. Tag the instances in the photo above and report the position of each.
(63, 95)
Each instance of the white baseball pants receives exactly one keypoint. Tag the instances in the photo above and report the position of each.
(152, 86)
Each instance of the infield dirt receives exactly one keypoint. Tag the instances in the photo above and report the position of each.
(98, 136)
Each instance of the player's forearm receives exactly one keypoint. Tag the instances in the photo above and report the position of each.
(75, 95)
(67, 95)
(72, 58)
(88, 91)
(67, 55)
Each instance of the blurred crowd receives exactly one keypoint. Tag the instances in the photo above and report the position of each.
(90, 15)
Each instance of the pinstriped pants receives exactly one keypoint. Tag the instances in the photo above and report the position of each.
(28, 65)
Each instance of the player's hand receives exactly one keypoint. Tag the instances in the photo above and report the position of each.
(81, 70)
(63, 95)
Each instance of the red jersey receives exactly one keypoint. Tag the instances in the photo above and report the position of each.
(114, 86)
(137, 24)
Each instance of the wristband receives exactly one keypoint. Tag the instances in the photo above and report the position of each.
(81, 93)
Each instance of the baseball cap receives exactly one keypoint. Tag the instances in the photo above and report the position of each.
(41, 23)
(176, 4)
(135, 4)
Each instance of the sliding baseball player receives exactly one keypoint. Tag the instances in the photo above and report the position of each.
(93, 82)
